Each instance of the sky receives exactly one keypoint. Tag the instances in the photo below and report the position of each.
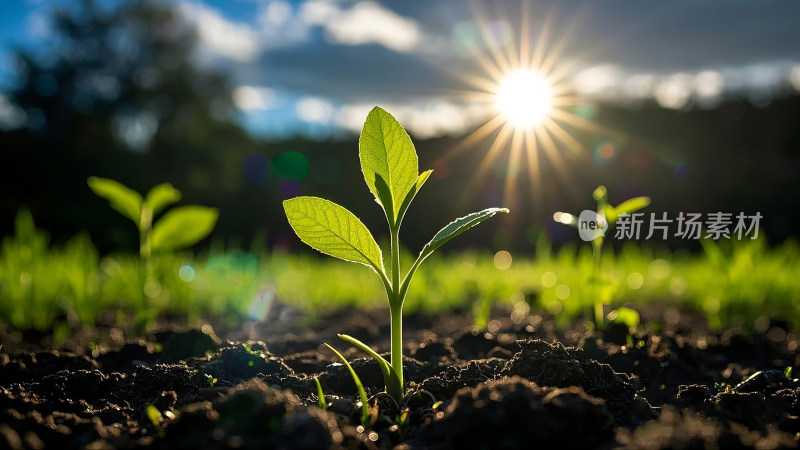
(317, 66)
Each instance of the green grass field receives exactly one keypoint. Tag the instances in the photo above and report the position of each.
(45, 287)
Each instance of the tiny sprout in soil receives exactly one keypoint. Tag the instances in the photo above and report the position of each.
(362, 394)
(609, 214)
(390, 166)
(323, 404)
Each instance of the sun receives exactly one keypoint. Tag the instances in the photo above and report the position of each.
(524, 98)
(521, 84)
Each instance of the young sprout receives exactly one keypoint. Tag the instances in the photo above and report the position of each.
(390, 166)
(323, 404)
(359, 386)
(609, 214)
(179, 228)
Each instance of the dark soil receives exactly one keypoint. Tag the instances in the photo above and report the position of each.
(517, 385)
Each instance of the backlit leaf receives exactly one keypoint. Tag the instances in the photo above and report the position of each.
(333, 230)
(457, 227)
(386, 150)
(628, 206)
(122, 198)
(423, 177)
(162, 196)
(183, 227)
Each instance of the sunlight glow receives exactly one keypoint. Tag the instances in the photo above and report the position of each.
(524, 98)
(534, 118)
(522, 82)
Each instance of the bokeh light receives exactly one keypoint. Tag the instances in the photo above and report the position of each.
(291, 165)
(502, 260)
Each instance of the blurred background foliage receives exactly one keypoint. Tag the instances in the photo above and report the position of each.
(115, 93)
(69, 286)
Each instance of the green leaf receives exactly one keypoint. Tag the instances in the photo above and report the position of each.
(333, 230)
(627, 316)
(386, 150)
(457, 227)
(161, 196)
(600, 194)
(385, 198)
(444, 235)
(423, 177)
(122, 198)
(392, 382)
(628, 206)
(183, 227)
(323, 404)
(155, 416)
(361, 393)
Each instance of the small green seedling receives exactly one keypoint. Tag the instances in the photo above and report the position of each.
(787, 372)
(211, 380)
(179, 228)
(627, 316)
(156, 418)
(362, 394)
(723, 387)
(390, 166)
(610, 214)
(323, 404)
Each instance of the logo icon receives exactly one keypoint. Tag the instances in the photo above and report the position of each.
(591, 225)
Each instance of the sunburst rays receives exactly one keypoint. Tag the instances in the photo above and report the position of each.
(524, 83)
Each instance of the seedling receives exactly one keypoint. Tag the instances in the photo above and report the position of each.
(156, 418)
(390, 166)
(609, 214)
(179, 228)
(323, 404)
(359, 386)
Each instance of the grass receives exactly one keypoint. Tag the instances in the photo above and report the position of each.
(49, 287)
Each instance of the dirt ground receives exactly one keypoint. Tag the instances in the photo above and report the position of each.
(515, 385)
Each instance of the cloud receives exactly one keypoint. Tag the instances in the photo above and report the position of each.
(220, 36)
(278, 24)
(314, 110)
(366, 22)
(706, 88)
(346, 74)
(794, 77)
(330, 61)
(275, 13)
(421, 117)
(38, 24)
(254, 98)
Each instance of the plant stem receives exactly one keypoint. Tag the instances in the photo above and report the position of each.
(396, 299)
(145, 225)
(397, 342)
(395, 254)
(597, 249)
